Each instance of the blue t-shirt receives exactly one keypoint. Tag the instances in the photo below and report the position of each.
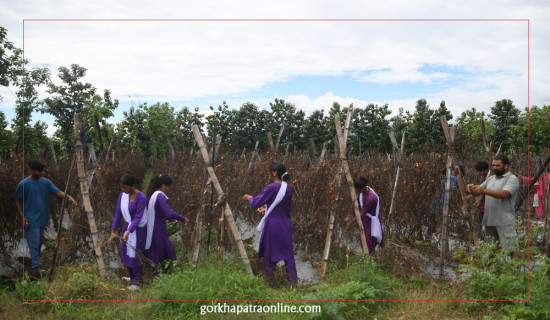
(37, 200)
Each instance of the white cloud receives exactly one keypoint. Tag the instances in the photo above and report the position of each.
(174, 61)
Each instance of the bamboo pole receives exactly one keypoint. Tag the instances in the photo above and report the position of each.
(54, 155)
(344, 161)
(399, 156)
(253, 158)
(323, 153)
(85, 194)
(445, 215)
(449, 136)
(488, 147)
(312, 146)
(270, 139)
(279, 137)
(330, 228)
(197, 234)
(99, 135)
(221, 198)
(109, 150)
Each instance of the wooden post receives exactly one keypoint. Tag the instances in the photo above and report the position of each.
(253, 158)
(488, 147)
(95, 165)
(344, 161)
(54, 155)
(85, 195)
(399, 155)
(330, 228)
(323, 153)
(197, 234)
(109, 150)
(449, 135)
(270, 139)
(445, 215)
(279, 137)
(221, 199)
(313, 146)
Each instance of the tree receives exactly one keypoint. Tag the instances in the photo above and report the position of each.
(187, 119)
(148, 130)
(285, 112)
(469, 135)
(220, 121)
(369, 128)
(72, 96)
(249, 124)
(505, 115)
(317, 127)
(95, 112)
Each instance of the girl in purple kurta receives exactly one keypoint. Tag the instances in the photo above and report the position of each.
(369, 205)
(158, 246)
(131, 206)
(276, 226)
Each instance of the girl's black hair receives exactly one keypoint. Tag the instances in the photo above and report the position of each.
(156, 182)
(129, 180)
(280, 169)
(360, 183)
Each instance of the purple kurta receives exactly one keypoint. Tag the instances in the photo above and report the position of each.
(136, 209)
(161, 247)
(276, 240)
(368, 206)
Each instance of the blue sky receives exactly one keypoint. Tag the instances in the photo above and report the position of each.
(311, 64)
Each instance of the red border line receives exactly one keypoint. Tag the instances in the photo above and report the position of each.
(291, 20)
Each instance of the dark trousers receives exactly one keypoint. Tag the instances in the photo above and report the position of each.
(136, 274)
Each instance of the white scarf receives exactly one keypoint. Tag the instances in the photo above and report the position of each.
(278, 199)
(375, 226)
(151, 217)
(132, 237)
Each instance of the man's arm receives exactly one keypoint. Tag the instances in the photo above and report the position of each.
(498, 194)
(61, 194)
(19, 209)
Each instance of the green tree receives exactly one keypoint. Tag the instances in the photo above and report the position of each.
(539, 128)
(221, 122)
(72, 96)
(249, 124)
(505, 115)
(148, 130)
(369, 128)
(317, 127)
(100, 108)
(425, 131)
(469, 135)
(294, 120)
(187, 119)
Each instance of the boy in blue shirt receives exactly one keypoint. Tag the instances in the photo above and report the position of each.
(32, 203)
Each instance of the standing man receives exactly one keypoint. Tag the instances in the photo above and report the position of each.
(33, 193)
(501, 191)
(482, 168)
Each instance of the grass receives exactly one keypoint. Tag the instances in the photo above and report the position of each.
(361, 279)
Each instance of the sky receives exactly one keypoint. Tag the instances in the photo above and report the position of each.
(308, 63)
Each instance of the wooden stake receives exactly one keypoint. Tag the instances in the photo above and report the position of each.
(449, 135)
(344, 161)
(279, 137)
(330, 228)
(109, 150)
(445, 215)
(197, 234)
(270, 139)
(85, 195)
(221, 199)
(54, 155)
(399, 155)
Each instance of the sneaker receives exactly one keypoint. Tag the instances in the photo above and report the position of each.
(126, 279)
(133, 287)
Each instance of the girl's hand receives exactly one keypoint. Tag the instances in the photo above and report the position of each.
(246, 197)
(125, 236)
(262, 209)
(113, 235)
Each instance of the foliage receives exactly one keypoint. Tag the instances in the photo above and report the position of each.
(72, 96)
